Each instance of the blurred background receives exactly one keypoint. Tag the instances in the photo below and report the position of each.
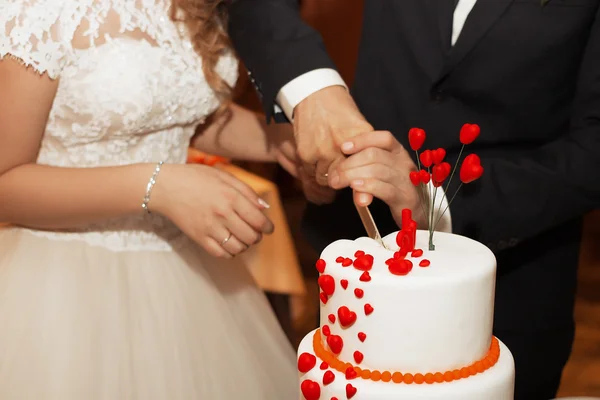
(296, 302)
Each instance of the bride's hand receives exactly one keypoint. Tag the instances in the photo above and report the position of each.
(209, 205)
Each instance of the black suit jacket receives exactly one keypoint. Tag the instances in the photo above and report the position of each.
(528, 74)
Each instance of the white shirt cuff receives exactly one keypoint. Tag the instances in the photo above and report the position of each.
(441, 205)
(303, 86)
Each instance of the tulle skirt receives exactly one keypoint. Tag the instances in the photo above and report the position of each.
(80, 322)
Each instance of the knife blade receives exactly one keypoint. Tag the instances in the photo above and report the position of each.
(369, 223)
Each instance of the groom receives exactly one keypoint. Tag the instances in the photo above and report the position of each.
(526, 71)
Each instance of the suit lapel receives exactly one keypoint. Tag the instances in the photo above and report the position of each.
(481, 19)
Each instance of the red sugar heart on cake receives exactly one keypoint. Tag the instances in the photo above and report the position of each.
(362, 336)
(359, 293)
(351, 373)
(321, 265)
(365, 277)
(368, 309)
(326, 330)
(306, 362)
(346, 316)
(310, 389)
(336, 344)
(324, 366)
(327, 284)
(331, 318)
(358, 357)
(344, 284)
(323, 297)
(350, 391)
(364, 262)
(328, 377)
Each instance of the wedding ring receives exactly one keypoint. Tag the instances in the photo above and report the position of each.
(224, 242)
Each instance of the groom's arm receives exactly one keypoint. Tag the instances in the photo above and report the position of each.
(286, 58)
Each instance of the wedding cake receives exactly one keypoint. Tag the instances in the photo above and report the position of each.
(409, 319)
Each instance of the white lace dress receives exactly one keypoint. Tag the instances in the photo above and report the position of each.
(130, 308)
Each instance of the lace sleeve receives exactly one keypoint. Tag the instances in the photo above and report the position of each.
(30, 32)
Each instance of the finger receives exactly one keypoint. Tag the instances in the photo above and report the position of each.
(213, 248)
(242, 230)
(380, 139)
(381, 172)
(322, 172)
(362, 199)
(243, 188)
(382, 190)
(252, 216)
(318, 194)
(287, 164)
(234, 246)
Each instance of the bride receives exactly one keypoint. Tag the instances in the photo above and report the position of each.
(117, 275)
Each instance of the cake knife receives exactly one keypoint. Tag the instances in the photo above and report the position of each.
(369, 224)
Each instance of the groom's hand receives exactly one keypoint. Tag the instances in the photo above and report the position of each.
(322, 122)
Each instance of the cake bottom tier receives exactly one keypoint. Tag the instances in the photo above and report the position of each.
(496, 383)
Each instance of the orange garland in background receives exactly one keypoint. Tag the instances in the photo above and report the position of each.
(488, 361)
(197, 157)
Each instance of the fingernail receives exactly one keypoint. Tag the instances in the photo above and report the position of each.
(363, 198)
(263, 203)
(334, 179)
(347, 146)
(358, 182)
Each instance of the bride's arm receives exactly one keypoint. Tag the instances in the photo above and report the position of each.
(51, 197)
(241, 134)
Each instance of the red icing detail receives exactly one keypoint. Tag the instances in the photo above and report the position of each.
(415, 178)
(368, 309)
(416, 253)
(339, 260)
(334, 398)
(324, 366)
(328, 377)
(365, 277)
(364, 262)
(321, 265)
(468, 133)
(344, 283)
(425, 176)
(438, 155)
(400, 267)
(310, 389)
(346, 316)
(416, 138)
(351, 373)
(323, 297)
(358, 357)
(471, 169)
(359, 253)
(327, 284)
(424, 263)
(350, 391)
(331, 318)
(388, 261)
(326, 331)
(336, 344)
(359, 293)
(347, 262)
(306, 362)
(426, 158)
(398, 255)
(362, 336)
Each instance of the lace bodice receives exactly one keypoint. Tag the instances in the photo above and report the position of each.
(131, 90)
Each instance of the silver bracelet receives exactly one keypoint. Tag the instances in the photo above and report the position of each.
(150, 186)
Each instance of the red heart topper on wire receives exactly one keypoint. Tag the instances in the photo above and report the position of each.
(433, 168)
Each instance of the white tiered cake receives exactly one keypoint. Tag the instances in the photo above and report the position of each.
(417, 327)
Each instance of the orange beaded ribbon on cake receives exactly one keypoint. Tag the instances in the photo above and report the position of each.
(352, 371)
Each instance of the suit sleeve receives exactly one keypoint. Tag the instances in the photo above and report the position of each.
(275, 44)
(518, 199)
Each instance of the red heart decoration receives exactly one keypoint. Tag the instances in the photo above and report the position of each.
(472, 159)
(359, 293)
(426, 158)
(323, 297)
(339, 260)
(365, 277)
(324, 366)
(331, 318)
(351, 373)
(359, 253)
(438, 155)
(306, 362)
(424, 175)
(424, 263)
(346, 316)
(320, 265)
(400, 267)
(415, 177)
(328, 377)
(347, 262)
(416, 138)
(326, 331)
(364, 262)
(362, 336)
(358, 357)
(310, 389)
(344, 284)
(350, 391)
(470, 172)
(368, 309)
(334, 398)
(336, 344)
(327, 284)
(440, 172)
(468, 133)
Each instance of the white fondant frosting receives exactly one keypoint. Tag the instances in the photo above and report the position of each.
(434, 319)
(497, 383)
